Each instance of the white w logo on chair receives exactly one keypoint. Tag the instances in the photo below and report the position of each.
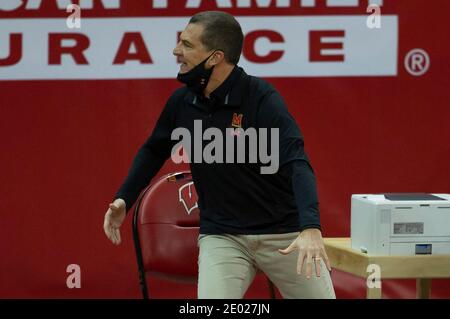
(186, 198)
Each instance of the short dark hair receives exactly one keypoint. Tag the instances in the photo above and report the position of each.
(221, 32)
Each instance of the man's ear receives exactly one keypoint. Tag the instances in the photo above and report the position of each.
(217, 57)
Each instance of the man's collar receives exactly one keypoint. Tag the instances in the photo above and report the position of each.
(228, 94)
(221, 94)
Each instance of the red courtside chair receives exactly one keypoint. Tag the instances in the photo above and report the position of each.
(165, 231)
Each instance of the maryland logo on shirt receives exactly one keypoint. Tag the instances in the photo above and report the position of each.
(237, 120)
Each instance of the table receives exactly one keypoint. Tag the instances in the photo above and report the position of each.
(421, 267)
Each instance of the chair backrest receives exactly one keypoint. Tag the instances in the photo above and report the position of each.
(165, 230)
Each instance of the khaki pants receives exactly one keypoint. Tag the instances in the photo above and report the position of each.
(228, 264)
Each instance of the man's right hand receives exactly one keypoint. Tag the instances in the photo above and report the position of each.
(114, 218)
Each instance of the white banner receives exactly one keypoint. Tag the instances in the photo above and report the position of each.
(139, 48)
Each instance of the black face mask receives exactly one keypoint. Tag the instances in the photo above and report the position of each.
(197, 79)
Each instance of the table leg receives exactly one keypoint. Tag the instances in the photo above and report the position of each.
(423, 287)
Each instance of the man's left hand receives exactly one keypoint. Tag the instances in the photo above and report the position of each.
(310, 246)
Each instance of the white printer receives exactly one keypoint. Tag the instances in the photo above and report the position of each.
(401, 223)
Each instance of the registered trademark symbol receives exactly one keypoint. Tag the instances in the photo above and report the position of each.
(417, 62)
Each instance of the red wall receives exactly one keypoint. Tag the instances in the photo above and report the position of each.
(67, 145)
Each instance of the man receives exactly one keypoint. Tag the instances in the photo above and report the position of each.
(248, 220)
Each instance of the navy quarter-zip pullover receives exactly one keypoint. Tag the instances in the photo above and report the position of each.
(235, 198)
